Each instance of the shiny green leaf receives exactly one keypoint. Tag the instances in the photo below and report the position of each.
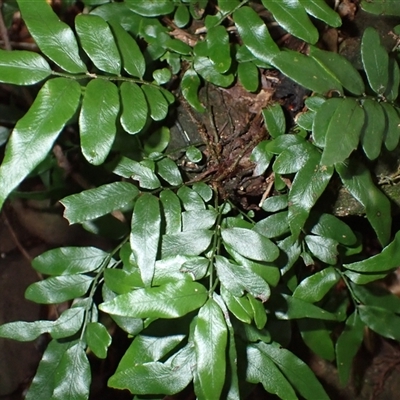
(190, 199)
(97, 338)
(391, 134)
(308, 185)
(261, 369)
(375, 60)
(144, 175)
(158, 105)
(24, 331)
(259, 313)
(145, 235)
(316, 286)
(169, 171)
(327, 225)
(290, 14)
(72, 377)
(42, 385)
(172, 211)
(249, 76)
(374, 128)
(239, 306)
(319, 9)
(134, 107)
(68, 323)
(392, 89)
(357, 180)
(162, 75)
(132, 58)
(203, 190)
(34, 135)
(273, 226)
(54, 37)
(58, 289)
(261, 157)
(254, 34)
(157, 141)
(190, 86)
(387, 259)
(343, 132)
(293, 159)
(189, 243)
(199, 219)
(206, 69)
(121, 281)
(347, 346)
(325, 249)
(374, 295)
(172, 300)
(151, 8)
(100, 107)
(93, 203)
(69, 260)
(275, 120)
(341, 68)
(296, 371)
(237, 279)
(21, 67)
(380, 7)
(181, 16)
(210, 341)
(275, 203)
(306, 71)
(250, 244)
(218, 48)
(98, 42)
(381, 321)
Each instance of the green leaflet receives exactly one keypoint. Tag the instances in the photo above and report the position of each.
(151, 8)
(145, 235)
(347, 346)
(293, 159)
(93, 203)
(316, 286)
(134, 107)
(72, 377)
(260, 368)
(392, 89)
(380, 7)
(181, 16)
(98, 42)
(190, 86)
(343, 132)
(206, 68)
(274, 120)
(194, 220)
(121, 281)
(391, 134)
(374, 128)
(239, 306)
(259, 313)
(171, 300)
(190, 199)
(22, 67)
(357, 179)
(36, 131)
(43, 383)
(248, 75)
(296, 371)
(325, 249)
(250, 244)
(306, 71)
(273, 226)
(158, 104)
(375, 60)
(381, 321)
(97, 338)
(254, 34)
(54, 38)
(137, 171)
(157, 141)
(132, 58)
(169, 171)
(308, 184)
(218, 48)
(189, 243)
(172, 211)
(373, 295)
(100, 107)
(69, 260)
(237, 279)
(58, 289)
(341, 68)
(386, 260)
(210, 341)
(290, 14)
(153, 377)
(317, 337)
(319, 9)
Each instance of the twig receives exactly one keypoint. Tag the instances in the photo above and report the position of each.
(14, 236)
(20, 45)
(3, 29)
